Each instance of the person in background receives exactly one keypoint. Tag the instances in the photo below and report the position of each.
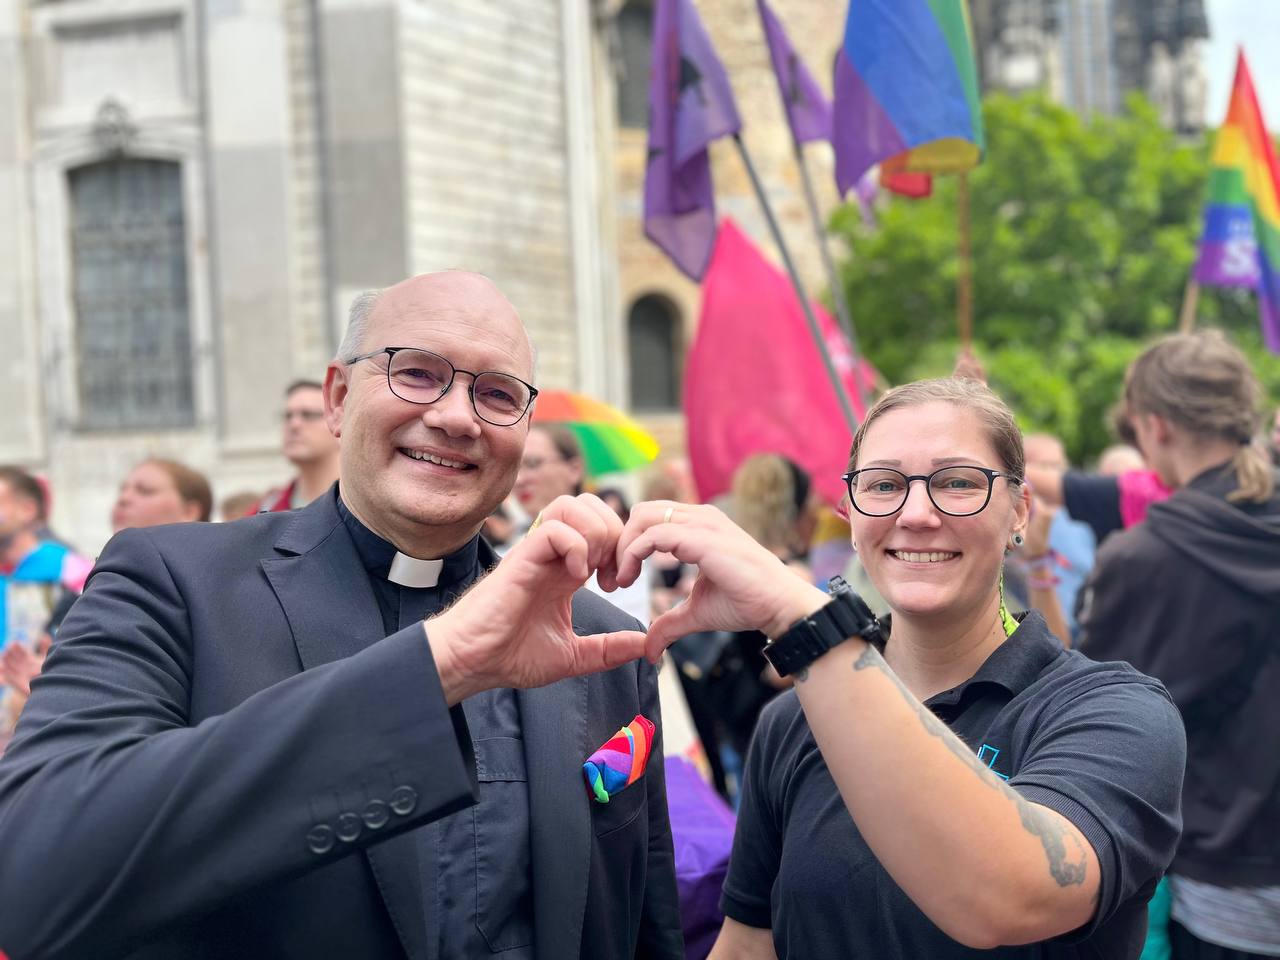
(1064, 559)
(552, 467)
(154, 492)
(617, 502)
(770, 498)
(1106, 501)
(499, 529)
(952, 783)
(237, 505)
(307, 444)
(160, 491)
(1192, 597)
(39, 575)
(1120, 458)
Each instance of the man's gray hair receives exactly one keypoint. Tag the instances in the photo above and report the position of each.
(357, 324)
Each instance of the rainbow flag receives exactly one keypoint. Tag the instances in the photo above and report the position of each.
(906, 90)
(1240, 246)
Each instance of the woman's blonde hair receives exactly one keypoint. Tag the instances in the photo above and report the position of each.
(972, 395)
(1204, 384)
(769, 494)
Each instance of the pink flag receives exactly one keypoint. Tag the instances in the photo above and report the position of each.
(755, 382)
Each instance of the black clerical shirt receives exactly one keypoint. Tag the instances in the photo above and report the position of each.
(475, 864)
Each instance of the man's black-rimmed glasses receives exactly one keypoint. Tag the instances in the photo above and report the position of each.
(959, 491)
(420, 376)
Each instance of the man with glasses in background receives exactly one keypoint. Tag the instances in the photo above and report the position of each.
(307, 444)
(327, 732)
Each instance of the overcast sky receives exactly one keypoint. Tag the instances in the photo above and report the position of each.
(1256, 25)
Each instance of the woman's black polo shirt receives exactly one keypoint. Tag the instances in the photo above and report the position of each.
(1098, 742)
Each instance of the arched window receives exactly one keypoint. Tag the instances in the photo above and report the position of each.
(129, 287)
(653, 335)
(635, 38)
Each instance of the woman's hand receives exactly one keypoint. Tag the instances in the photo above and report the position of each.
(740, 585)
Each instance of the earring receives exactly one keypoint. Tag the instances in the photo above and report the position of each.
(1018, 540)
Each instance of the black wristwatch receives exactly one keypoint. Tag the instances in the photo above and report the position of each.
(845, 616)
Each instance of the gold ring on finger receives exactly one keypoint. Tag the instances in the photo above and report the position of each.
(666, 514)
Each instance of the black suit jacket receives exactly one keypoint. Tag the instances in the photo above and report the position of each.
(225, 757)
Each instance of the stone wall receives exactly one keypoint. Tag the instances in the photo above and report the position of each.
(486, 166)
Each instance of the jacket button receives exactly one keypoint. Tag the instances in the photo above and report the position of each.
(376, 814)
(320, 839)
(403, 800)
(349, 827)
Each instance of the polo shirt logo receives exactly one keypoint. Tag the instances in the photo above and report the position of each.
(987, 754)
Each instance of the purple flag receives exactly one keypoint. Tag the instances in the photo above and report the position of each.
(690, 104)
(808, 110)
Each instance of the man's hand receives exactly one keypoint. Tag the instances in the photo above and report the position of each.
(514, 628)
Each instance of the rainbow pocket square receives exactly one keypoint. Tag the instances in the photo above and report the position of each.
(621, 761)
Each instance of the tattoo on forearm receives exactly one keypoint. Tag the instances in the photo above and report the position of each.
(801, 675)
(1066, 866)
(1067, 859)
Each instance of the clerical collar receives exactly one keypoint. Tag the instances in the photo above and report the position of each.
(383, 560)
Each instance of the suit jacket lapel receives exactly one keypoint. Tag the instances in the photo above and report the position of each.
(553, 721)
(327, 598)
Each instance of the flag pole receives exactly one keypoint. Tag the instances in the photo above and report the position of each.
(837, 288)
(1190, 301)
(964, 275)
(850, 419)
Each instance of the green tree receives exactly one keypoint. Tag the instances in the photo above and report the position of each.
(1084, 234)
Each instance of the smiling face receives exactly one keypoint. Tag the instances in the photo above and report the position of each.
(149, 497)
(425, 476)
(926, 564)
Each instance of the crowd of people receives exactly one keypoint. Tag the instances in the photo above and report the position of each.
(355, 720)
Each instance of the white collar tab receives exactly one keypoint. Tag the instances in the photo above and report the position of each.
(411, 572)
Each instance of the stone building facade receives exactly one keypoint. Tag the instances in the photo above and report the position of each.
(196, 188)
(1089, 54)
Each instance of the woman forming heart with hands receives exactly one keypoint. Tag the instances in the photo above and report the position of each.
(963, 782)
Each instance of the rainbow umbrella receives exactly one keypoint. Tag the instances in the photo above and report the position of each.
(610, 440)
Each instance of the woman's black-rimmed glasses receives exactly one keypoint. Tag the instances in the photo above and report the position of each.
(420, 376)
(959, 491)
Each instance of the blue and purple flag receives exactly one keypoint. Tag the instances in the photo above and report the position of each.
(808, 109)
(906, 90)
(690, 105)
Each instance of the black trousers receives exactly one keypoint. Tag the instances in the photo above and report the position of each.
(1186, 946)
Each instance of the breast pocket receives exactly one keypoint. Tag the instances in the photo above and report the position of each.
(621, 810)
(504, 896)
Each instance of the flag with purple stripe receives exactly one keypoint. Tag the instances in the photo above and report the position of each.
(906, 90)
(1240, 246)
(808, 109)
(690, 105)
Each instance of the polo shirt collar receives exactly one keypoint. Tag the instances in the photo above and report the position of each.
(1015, 664)
(382, 560)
